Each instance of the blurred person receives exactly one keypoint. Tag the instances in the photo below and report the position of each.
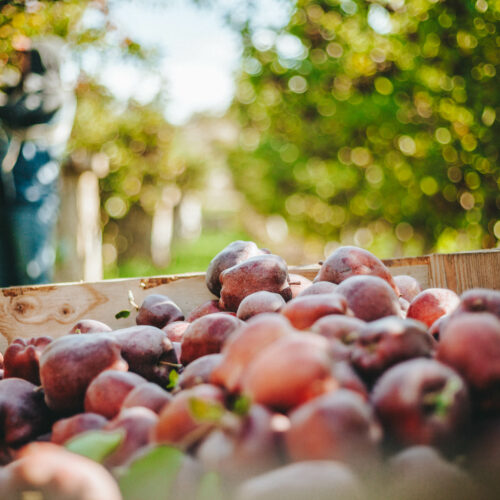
(36, 117)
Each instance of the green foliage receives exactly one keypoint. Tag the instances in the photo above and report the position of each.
(187, 256)
(173, 380)
(210, 487)
(131, 140)
(96, 445)
(241, 405)
(206, 411)
(384, 139)
(152, 475)
(125, 313)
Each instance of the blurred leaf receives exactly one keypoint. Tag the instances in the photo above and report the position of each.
(122, 314)
(96, 445)
(152, 475)
(173, 380)
(241, 405)
(210, 487)
(379, 131)
(207, 411)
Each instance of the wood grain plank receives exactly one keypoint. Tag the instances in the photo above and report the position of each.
(462, 271)
(54, 309)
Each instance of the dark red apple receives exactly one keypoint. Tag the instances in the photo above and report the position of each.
(22, 358)
(199, 371)
(470, 344)
(431, 304)
(23, 412)
(408, 286)
(289, 372)
(264, 272)
(387, 341)
(148, 352)
(90, 326)
(339, 425)
(422, 401)
(67, 428)
(369, 297)
(258, 303)
(319, 287)
(349, 261)
(148, 395)
(158, 310)
(233, 254)
(106, 393)
(70, 363)
(207, 335)
(302, 312)
(245, 345)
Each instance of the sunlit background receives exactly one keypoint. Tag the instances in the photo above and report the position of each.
(300, 125)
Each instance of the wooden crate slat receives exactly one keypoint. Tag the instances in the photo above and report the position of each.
(462, 271)
(54, 309)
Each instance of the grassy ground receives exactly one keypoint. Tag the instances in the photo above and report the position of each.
(187, 256)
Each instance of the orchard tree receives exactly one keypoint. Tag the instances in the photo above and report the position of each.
(375, 123)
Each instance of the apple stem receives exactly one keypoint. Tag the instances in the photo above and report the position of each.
(168, 363)
(132, 301)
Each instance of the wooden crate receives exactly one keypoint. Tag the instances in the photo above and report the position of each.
(53, 309)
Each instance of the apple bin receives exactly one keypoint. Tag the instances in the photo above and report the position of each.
(398, 405)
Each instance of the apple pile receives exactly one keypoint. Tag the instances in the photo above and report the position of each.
(357, 385)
